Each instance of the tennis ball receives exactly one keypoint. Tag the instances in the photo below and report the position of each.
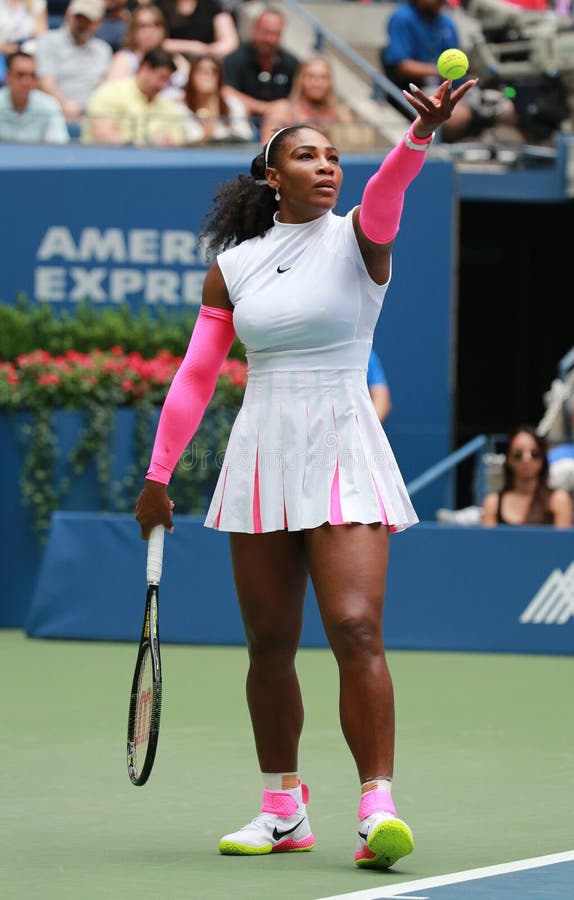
(452, 64)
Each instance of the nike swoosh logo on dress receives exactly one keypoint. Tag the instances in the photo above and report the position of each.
(280, 834)
(280, 270)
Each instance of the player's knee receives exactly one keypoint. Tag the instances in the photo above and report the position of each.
(271, 648)
(356, 637)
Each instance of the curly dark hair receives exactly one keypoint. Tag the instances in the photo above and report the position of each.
(244, 206)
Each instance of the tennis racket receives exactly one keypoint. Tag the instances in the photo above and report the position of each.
(145, 700)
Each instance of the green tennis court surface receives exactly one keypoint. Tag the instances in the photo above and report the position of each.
(484, 774)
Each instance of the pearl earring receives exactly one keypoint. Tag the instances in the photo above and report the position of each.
(277, 196)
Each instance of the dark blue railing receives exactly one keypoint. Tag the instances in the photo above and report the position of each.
(446, 464)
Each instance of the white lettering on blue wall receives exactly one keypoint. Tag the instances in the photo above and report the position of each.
(115, 265)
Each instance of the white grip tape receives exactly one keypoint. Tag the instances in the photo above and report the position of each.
(155, 554)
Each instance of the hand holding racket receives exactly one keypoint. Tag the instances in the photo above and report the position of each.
(145, 700)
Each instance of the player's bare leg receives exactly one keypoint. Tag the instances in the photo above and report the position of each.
(271, 577)
(348, 566)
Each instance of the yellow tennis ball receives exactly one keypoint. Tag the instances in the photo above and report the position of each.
(452, 64)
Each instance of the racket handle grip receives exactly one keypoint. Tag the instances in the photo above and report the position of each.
(155, 554)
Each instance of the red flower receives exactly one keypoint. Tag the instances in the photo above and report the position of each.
(49, 378)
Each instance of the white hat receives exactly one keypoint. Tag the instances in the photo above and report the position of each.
(92, 9)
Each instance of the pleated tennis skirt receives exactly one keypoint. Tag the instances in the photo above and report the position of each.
(305, 449)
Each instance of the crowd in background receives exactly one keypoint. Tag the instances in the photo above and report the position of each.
(171, 73)
(177, 73)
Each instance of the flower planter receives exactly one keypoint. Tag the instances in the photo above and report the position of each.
(93, 457)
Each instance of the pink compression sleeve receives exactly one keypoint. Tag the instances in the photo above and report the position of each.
(384, 193)
(191, 389)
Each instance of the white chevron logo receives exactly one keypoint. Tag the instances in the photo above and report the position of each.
(553, 603)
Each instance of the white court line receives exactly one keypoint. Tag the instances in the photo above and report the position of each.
(422, 884)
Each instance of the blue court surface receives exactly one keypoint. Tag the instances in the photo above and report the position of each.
(549, 877)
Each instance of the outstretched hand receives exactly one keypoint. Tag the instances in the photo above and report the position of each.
(434, 111)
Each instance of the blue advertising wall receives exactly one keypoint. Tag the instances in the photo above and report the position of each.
(473, 589)
(122, 225)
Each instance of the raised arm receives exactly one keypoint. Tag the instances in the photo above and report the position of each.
(377, 219)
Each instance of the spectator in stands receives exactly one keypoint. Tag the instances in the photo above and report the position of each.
(418, 32)
(147, 29)
(28, 115)
(561, 458)
(21, 24)
(196, 27)
(71, 61)
(223, 119)
(526, 497)
(132, 110)
(378, 387)
(312, 100)
(260, 70)
(115, 23)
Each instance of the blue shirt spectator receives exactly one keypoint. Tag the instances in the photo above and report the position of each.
(378, 386)
(26, 114)
(417, 35)
(418, 32)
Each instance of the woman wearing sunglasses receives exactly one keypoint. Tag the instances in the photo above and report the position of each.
(526, 498)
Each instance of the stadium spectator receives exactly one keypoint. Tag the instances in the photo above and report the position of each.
(418, 32)
(260, 70)
(115, 23)
(71, 61)
(378, 386)
(21, 24)
(147, 29)
(312, 100)
(196, 27)
(526, 497)
(223, 119)
(28, 115)
(132, 110)
(561, 458)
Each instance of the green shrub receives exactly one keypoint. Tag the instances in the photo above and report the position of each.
(28, 326)
(96, 360)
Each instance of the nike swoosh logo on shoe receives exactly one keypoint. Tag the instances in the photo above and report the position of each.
(279, 834)
(280, 270)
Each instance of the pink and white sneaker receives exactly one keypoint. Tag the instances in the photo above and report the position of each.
(383, 838)
(281, 826)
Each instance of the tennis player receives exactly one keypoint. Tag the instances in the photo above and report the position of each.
(309, 484)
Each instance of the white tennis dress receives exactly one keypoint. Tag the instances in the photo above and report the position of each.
(306, 447)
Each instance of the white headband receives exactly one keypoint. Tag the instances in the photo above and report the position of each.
(270, 141)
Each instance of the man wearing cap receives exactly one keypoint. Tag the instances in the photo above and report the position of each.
(71, 61)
